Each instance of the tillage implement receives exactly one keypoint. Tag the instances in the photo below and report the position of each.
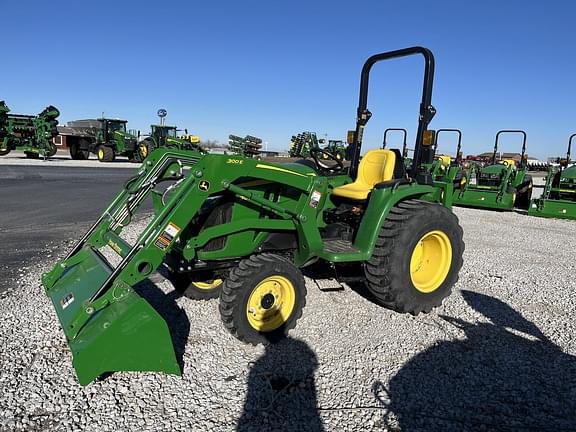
(245, 228)
(32, 134)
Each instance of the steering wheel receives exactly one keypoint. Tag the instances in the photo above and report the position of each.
(316, 152)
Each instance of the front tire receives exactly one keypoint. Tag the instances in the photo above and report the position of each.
(417, 257)
(524, 193)
(198, 287)
(105, 153)
(76, 152)
(262, 299)
(143, 149)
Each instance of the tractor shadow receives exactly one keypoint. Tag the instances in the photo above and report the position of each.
(281, 394)
(175, 317)
(504, 375)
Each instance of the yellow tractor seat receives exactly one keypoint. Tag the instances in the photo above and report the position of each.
(376, 166)
(445, 160)
(508, 162)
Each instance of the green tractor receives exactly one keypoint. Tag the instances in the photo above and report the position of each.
(31, 134)
(500, 186)
(336, 148)
(558, 199)
(445, 167)
(167, 137)
(249, 226)
(106, 138)
(301, 144)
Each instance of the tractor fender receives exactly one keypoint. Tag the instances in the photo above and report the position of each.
(382, 199)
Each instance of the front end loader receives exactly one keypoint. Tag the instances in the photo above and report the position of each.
(502, 185)
(252, 225)
(558, 199)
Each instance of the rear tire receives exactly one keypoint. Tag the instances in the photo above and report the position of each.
(105, 153)
(262, 299)
(143, 150)
(76, 152)
(417, 257)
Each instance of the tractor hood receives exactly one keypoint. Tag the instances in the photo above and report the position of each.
(493, 171)
(569, 174)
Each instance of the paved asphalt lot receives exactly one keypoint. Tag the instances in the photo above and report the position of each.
(44, 203)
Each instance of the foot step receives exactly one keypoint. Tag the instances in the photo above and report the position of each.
(331, 284)
(338, 246)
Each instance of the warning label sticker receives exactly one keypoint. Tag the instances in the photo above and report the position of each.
(167, 236)
(67, 300)
(315, 199)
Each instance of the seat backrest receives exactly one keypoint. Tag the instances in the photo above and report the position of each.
(376, 166)
(444, 160)
(508, 162)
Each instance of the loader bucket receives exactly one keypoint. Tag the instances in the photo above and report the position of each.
(118, 332)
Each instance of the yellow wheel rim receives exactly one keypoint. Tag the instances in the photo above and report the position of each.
(143, 150)
(431, 261)
(208, 285)
(463, 181)
(100, 154)
(271, 303)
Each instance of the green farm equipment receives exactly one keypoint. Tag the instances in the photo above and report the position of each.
(445, 167)
(336, 148)
(167, 137)
(249, 225)
(302, 143)
(558, 199)
(500, 186)
(31, 134)
(249, 146)
(106, 138)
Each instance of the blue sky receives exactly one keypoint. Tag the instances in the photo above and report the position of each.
(275, 68)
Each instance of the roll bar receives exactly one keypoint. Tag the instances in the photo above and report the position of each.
(459, 145)
(523, 144)
(404, 134)
(426, 113)
(569, 147)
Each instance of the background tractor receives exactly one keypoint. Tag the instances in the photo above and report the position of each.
(558, 199)
(106, 138)
(446, 167)
(337, 148)
(167, 136)
(501, 185)
(28, 133)
(249, 226)
(162, 135)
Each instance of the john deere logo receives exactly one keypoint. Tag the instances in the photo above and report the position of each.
(204, 185)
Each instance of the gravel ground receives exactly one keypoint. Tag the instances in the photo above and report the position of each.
(499, 355)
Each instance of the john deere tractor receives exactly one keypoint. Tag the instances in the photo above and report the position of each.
(107, 138)
(28, 133)
(446, 167)
(558, 199)
(502, 185)
(167, 137)
(252, 225)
